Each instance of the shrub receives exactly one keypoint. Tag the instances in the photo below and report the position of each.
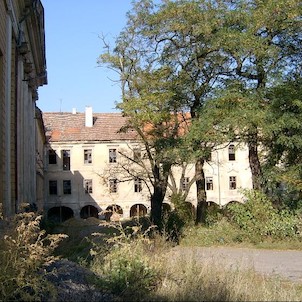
(23, 250)
(260, 219)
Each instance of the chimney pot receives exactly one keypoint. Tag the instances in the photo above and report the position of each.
(88, 116)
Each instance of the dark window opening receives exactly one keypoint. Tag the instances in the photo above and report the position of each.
(66, 159)
(67, 186)
(53, 188)
(52, 157)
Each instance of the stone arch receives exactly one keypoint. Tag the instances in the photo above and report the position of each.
(89, 211)
(226, 207)
(212, 205)
(232, 202)
(60, 214)
(138, 210)
(113, 212)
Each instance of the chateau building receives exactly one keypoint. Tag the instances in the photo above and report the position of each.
(85, 153)
(22, 71)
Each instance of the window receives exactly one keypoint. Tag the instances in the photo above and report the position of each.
(52, 157)
(88, 156)
(184, 183)
(67, 186)
(53, 188)
(232, 182)
(232, 152)
(113, 185)
(137, 154)
(137, 185)
(112, 155)
(88, 186)
(66, 159)
(209, 183)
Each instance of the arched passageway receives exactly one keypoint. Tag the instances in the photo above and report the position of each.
(138, 210)
(89, 211)
(113, 213)
(59, 214)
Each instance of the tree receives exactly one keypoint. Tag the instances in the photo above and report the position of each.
(147, 101)
(186, 36)
(263, 44)
(176, 56)
(283, 139)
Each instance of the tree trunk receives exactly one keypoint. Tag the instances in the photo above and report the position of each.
(201, 210)
(160, 188)
(156, 206)
(255, 163)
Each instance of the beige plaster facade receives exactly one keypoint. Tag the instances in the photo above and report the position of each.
(85, 158)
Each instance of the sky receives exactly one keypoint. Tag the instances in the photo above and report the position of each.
(73, 45)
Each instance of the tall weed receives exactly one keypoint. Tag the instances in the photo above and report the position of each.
(130, 268)
(24, 249)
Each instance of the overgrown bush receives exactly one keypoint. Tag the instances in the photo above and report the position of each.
(24, 248)
(129, 269)
(260, 219)
(174, 221)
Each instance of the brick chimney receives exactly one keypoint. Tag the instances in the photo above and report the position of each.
(88, 116)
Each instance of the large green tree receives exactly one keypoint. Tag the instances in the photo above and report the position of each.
(264, 44)
(177, 55)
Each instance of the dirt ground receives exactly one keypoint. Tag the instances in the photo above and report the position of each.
(283, 263)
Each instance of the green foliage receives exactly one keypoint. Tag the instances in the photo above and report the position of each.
(24, 249)
(260, 219)
(174, 221)
(221, 232)
(128, 269)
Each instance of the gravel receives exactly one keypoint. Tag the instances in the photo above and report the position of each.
(72, 283)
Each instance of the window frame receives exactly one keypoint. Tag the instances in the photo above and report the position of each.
(52, 154)
(232, 152)
(137, 154)
(113, 185)
(232, 183)
(209, 183)
(88, 186)
(52, 187)
(66, 159)
(87, 156)
(67, 187)
(185, 183)
(112, 155)
(138, 185)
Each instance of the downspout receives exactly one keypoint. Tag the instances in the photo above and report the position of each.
(7, 163)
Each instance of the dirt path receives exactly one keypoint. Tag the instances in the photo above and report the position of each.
(285, 263)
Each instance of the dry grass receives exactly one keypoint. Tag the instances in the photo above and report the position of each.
(209, 280)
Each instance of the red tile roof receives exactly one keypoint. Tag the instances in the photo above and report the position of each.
(61, 126)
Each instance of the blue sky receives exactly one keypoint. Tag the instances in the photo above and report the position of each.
(72, 48)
